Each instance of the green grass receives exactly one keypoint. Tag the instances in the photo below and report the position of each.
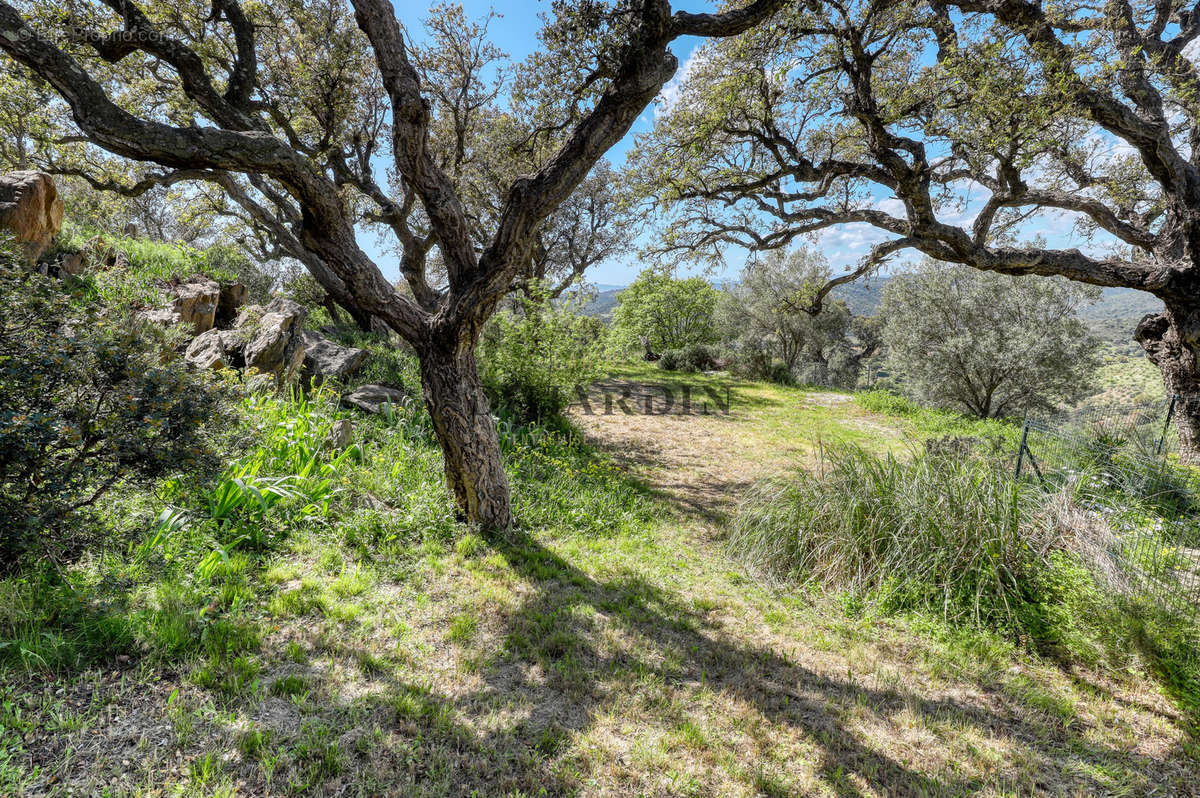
(928, 422)
(152, 264)
(288, 636)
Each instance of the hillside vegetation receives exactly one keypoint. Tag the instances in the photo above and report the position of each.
(309, 618)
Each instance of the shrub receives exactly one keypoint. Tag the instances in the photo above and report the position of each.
(696, 357)
(669, 360)
(85, 404)
(531, 359)
(992, 345)
(662, 312)
(931, 533)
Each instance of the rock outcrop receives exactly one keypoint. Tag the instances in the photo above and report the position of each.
(215, 349)
(268, 340)
(372, 398)
(323, 359)
(274, 337)
(200, 302)
(195, 302)
(31, 209)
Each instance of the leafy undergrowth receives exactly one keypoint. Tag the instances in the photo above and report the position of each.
(314, 621)
(149, 265)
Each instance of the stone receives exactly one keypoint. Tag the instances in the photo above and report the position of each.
(232, 296)
(372, 397)
(206, 351)
(341, 434)
(31, 209)
(164, 316)
(214, 349)
(276, 344)
(259, 383)
(323, 359)
(73, 264)
(195, 302)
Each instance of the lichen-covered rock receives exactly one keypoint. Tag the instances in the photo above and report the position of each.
(323, 359)
(372, 397)
(31, 209)
(341, 434)
(195, 302)
(215, 349)
(73, 264)
(274, 337)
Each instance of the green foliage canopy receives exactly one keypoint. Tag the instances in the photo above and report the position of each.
(989, 344)
(664, 312)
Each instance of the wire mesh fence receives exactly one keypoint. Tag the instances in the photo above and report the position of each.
(1125, 464)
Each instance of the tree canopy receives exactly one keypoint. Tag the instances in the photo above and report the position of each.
(659, 312)
(288, 107)
(988, 344)
(946, 126)
(768, 314)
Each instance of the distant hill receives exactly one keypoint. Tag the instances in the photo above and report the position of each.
(1112, 318)
(1120, 303)
(863, 296)
(602, 303)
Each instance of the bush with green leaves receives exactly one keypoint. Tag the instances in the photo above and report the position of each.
(85, 404)
(532, 357)
(989, 344)
(660, 312)
(691, 359)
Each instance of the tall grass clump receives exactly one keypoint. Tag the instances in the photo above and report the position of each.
(931, 532)
(956, 538)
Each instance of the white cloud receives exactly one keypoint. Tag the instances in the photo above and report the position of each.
(670, 93)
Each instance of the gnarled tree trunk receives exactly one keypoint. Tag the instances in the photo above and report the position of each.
(1171, 340)
(463, 422)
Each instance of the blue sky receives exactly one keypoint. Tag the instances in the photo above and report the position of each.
(515, 32)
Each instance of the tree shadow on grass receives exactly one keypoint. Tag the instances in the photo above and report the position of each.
(556, 630)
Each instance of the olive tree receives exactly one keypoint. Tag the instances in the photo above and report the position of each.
(769, 313)
(946, 126)
(988, 344)
(314, 116)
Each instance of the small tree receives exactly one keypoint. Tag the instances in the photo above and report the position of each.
(990, 344)
(532, 357)
(660, 312)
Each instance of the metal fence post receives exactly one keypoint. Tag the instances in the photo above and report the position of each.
(1162, 441)
(1021, 449)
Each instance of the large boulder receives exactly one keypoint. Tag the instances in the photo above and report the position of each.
(195, 303)
(274, 337)
(323, 359)
(215, 349)
(31, 209)
(372, 398)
